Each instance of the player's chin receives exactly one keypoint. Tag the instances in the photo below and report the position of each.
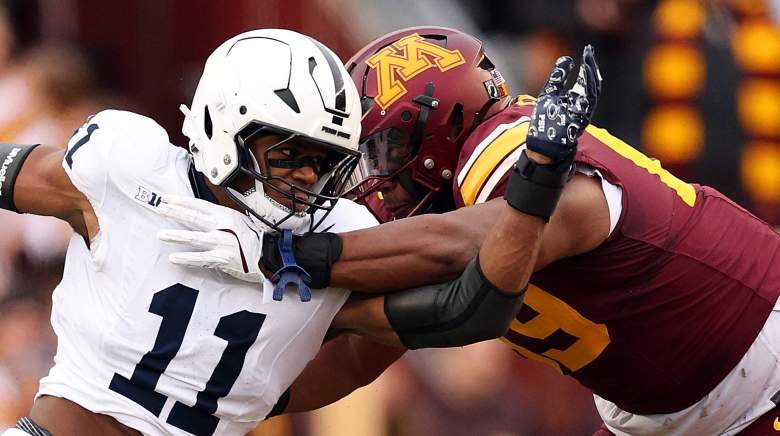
(298, 206)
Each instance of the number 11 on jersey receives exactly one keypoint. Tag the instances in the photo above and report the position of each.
(175, 305)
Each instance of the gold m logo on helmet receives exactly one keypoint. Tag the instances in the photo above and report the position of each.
(406, 58)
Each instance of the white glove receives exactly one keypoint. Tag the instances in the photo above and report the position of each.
(219, 237)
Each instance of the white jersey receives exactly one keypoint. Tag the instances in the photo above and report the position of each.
(161, 348)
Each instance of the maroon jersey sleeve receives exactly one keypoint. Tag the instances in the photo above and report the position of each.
(656, 316)
(489, 153)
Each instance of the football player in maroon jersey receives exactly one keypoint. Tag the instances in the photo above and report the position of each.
(656, 294)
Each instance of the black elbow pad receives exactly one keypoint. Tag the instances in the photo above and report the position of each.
(467, 310)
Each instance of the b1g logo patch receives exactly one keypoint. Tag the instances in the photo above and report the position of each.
(146, 196)
(403, 60)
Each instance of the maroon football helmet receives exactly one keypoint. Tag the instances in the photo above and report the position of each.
(423, 90)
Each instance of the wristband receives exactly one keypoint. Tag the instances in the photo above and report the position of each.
(12, 156)
(535, 189)
(314, 252)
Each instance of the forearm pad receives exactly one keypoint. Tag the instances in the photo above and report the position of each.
(535, 189)
(314, 252)
(467, 310)
(12, 157)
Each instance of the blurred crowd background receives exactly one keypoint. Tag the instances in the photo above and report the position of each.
(694, 83)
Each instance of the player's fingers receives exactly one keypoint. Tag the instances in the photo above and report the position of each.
(180, 214)
(557, 79)
(200, 240)
(580, 85)
(591, 89)
(186, 216)
(202, 260)
(580, 104)
(186, 259)
(589, 58)
(583, 96)
(588, 83)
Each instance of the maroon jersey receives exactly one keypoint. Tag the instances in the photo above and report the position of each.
(655, 317)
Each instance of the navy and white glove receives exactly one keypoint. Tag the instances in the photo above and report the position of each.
(560, 117)
(218, 237)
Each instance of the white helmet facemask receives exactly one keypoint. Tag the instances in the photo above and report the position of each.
(258, 200)
(280, 83)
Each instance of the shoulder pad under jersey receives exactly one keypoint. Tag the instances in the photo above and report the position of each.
(489, 153)
(109, 147)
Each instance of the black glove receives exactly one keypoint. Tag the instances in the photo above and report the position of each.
(560, 118)
(557, 121)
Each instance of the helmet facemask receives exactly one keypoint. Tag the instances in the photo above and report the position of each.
(389, 156)
(333, 171)
(392, 154)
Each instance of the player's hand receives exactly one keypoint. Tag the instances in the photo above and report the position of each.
(560, 116)
(218, 237)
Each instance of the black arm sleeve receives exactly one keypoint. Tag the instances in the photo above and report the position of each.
(464, 311)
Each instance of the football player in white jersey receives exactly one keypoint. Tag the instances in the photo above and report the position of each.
(149, 347)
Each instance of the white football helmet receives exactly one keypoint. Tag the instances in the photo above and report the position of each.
(273, 81)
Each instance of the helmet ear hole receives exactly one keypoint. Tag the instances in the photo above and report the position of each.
(485, 64)
(440, 40)
(207, 125)
(455, 122)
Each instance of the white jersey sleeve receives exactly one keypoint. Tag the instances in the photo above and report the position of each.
(110, 147)
(114, 156)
